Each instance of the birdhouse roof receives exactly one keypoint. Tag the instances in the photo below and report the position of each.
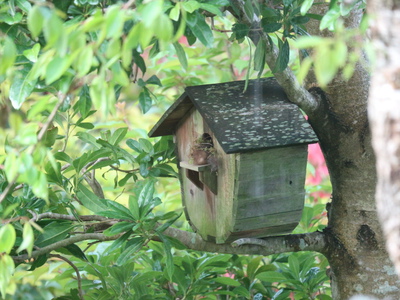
(261, 117)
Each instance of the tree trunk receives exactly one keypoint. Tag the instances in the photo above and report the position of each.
(356, 252)
(384, 113)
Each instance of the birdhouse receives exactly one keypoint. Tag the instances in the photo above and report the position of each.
(242, 158)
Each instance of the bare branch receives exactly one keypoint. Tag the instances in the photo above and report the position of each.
(314, 241)
(94, 184)
(295, 92)
(78, 275)
(50, 215)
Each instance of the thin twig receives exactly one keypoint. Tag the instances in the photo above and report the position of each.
(90, 245)
(128, 4)
(63, 243)
(78, 275)
(18, 187)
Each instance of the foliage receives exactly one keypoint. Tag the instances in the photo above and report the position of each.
(80, 184)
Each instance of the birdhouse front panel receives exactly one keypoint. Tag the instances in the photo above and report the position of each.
(242, 158)
(198, 199)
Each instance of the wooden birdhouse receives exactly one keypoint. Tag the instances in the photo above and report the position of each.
(242, 158)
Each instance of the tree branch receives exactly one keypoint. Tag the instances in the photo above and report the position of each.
(72, 240)
(288, 81)
(56, 216)
(78, 275)
(314, 241)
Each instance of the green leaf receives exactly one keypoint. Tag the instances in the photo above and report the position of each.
(63, 157)
(84, 103)
(240, 31)
(6, 271)
(119, 241)
(270, 27)
(134, 207)
(24, 5)
(21, 88)
(167, 224)
(84, 61)
(169, 259)
(135, 245)
(7, 55)
(146, 145)
(53, 232)
(76, 251)
(166, 170)
(124, 213)
(259, 57)
(119, 75)
(38, 262)
(283, 57)
(253, 266)
(323, 297)
(151, 12)
(190, 6)
(211, 8)
(32, 54)
(241, 291)
(281, 295)
(118, 228)
(200, 28)
(146, 194)
(114, 21)
(175, 12)
(27, 239)
(118, 136)
(56, 68)
(309, 42)
(39, 186)
(248, 8)
(330, 18)
(306, 6)
(271, 276)
(300, 20)
(154, 80)
(90, 200)
(85, 125)
(294, 266)
(7, 238)
(227, 281)
(180, 52)
(134, 145)
(35, 21)
(145, 100)
(53, 30)
(163, 28)
(88, 138)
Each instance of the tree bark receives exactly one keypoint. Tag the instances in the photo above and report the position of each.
(355, 244)
(357, 256)
(384, 113)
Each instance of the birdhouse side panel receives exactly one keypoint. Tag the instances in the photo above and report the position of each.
(198, 201)
(270, 188)
(225, 214)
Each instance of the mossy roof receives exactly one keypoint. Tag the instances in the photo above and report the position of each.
(261, 117)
